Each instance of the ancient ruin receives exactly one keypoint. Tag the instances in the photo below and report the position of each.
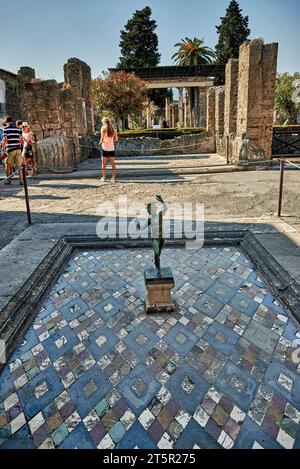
(238, 116)
(60, 114)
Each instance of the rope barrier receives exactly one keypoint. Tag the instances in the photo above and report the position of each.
(146, 150)
(293, 164)
(16, 173)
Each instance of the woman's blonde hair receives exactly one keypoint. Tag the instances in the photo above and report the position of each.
(109, 127)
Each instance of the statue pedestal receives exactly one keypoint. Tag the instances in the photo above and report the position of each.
(159, 296)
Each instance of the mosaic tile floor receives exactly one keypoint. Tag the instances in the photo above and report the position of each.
(95, 372)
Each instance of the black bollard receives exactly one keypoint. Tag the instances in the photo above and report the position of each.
(26, 196)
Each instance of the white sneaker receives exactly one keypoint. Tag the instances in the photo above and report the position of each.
(113, 180)
(103, 179)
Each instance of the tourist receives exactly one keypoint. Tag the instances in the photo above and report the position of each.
(3, 152)
(27, 152)
(19, 124)
(11, 144)
(108, 138)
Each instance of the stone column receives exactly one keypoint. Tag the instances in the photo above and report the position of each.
(231, 96)
(187, 116)
(149, 118)
(167, 112)
(219, 123)
(197, 93)
(203, 108)
(180, 107)
(256, 91)
(211, 110)
(219, 109)
(171, 116)
(192, 106)
(74, 78)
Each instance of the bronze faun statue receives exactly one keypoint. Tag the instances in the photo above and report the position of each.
(156, 222)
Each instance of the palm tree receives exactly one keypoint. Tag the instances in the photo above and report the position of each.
(193, 52)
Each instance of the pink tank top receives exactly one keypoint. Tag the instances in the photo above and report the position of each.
(108, 143)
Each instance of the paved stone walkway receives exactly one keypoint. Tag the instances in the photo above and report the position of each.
(235, 196)
(95, 371)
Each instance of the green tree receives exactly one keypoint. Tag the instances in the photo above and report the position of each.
(139, 48)
(118, 94)
(287, 97)
(139, 42)
(193, 52)
(233, 31)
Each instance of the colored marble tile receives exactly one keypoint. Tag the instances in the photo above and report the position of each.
(261, 336)
(209, 306)
(188, 387)
(33, 404)
(95, 371)
(251, 435)
(137, 438)
(221, 337)
(239, 384)
(101, 341)
(79, 438)
(133, 340)
(284, 382)
(138, 402)
(244, 304)
(180, 339)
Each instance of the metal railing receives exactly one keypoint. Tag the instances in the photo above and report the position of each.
(286, 143)
(283, 162)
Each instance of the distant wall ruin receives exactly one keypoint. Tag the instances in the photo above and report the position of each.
(241, 114)
(54, 110)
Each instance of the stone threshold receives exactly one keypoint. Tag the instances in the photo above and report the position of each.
(20, 304)
(132, 173)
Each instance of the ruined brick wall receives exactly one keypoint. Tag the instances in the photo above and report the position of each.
(41, 106)
(219, 109)
(219, 119)
(256, 93)
(231, 96)
(78, 77)
(60, 114)
(9, 102)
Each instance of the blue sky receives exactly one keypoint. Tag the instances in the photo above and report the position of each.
(45, 33)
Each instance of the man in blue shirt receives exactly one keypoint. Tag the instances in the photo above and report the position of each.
(11, 144)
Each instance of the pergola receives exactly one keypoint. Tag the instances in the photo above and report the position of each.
(199, 77)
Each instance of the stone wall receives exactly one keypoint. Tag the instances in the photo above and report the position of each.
(241, 114)
(56, 154)
(58, 108)
(219, 109)
(211, 111)
(231, 96)
(196, 143)
(78, 77)
(256, 94)
(42, 107)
